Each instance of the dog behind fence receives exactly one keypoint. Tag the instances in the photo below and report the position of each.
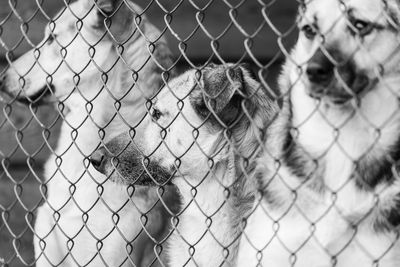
(211, 166)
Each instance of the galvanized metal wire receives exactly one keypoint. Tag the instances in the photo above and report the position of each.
(260, 33)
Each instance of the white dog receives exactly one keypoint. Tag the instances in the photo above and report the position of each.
(329, 182)
(202, 137)
(99, 61)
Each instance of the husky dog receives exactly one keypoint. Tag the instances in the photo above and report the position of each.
(329, 182)
(98, 59)
(202, 138)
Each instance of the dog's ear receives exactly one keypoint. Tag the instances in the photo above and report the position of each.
(220, 94)
(117, 17)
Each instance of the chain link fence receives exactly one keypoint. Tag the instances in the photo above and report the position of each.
(285, 153)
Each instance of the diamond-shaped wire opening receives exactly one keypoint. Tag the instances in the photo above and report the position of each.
(262, 184)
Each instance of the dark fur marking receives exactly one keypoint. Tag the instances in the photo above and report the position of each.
(369, 174)
(139, 173)
(38, 98)
(274, 201)
(218, 96)
(393, 215)
(131, 166)
(388, 219)
(294, 156)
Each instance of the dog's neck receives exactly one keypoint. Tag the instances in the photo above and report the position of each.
(88, 124)
(211, 219)
(98, 119)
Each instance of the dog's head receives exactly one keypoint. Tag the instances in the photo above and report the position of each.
(346, 48)
(80, 48)
(199, 119)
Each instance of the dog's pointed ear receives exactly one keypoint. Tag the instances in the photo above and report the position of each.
(220, 94)
(117, 17)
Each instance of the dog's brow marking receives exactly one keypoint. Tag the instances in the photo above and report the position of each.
(376, 25)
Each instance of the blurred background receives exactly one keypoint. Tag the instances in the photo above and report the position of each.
(255, 31)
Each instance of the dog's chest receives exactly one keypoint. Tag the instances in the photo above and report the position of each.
(197, 242)
(309, 233)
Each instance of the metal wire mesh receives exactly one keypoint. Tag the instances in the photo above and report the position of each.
(113, 155)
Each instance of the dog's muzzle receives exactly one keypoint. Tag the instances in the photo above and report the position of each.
(339, 83)
(39, 98)
(42, 96)
(129, 167)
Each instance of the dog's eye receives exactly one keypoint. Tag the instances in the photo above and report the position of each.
(362, 27)
(156, 114)
(309, 31)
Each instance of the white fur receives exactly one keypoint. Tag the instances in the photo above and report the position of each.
(207, 230)
(312, 225)
(192, 228)
(81, 207)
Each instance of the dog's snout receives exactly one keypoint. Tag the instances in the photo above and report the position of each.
(320, 68)
(318, 73)
(98, 159)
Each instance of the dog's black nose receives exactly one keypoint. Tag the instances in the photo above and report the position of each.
(320, 69)
(98, 159)
(320, 73)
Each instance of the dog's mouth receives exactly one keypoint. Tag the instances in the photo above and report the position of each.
(41, 97)
(337, 93)
(152, 174)
(146, 174)
(134, 169)
(336, 79)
